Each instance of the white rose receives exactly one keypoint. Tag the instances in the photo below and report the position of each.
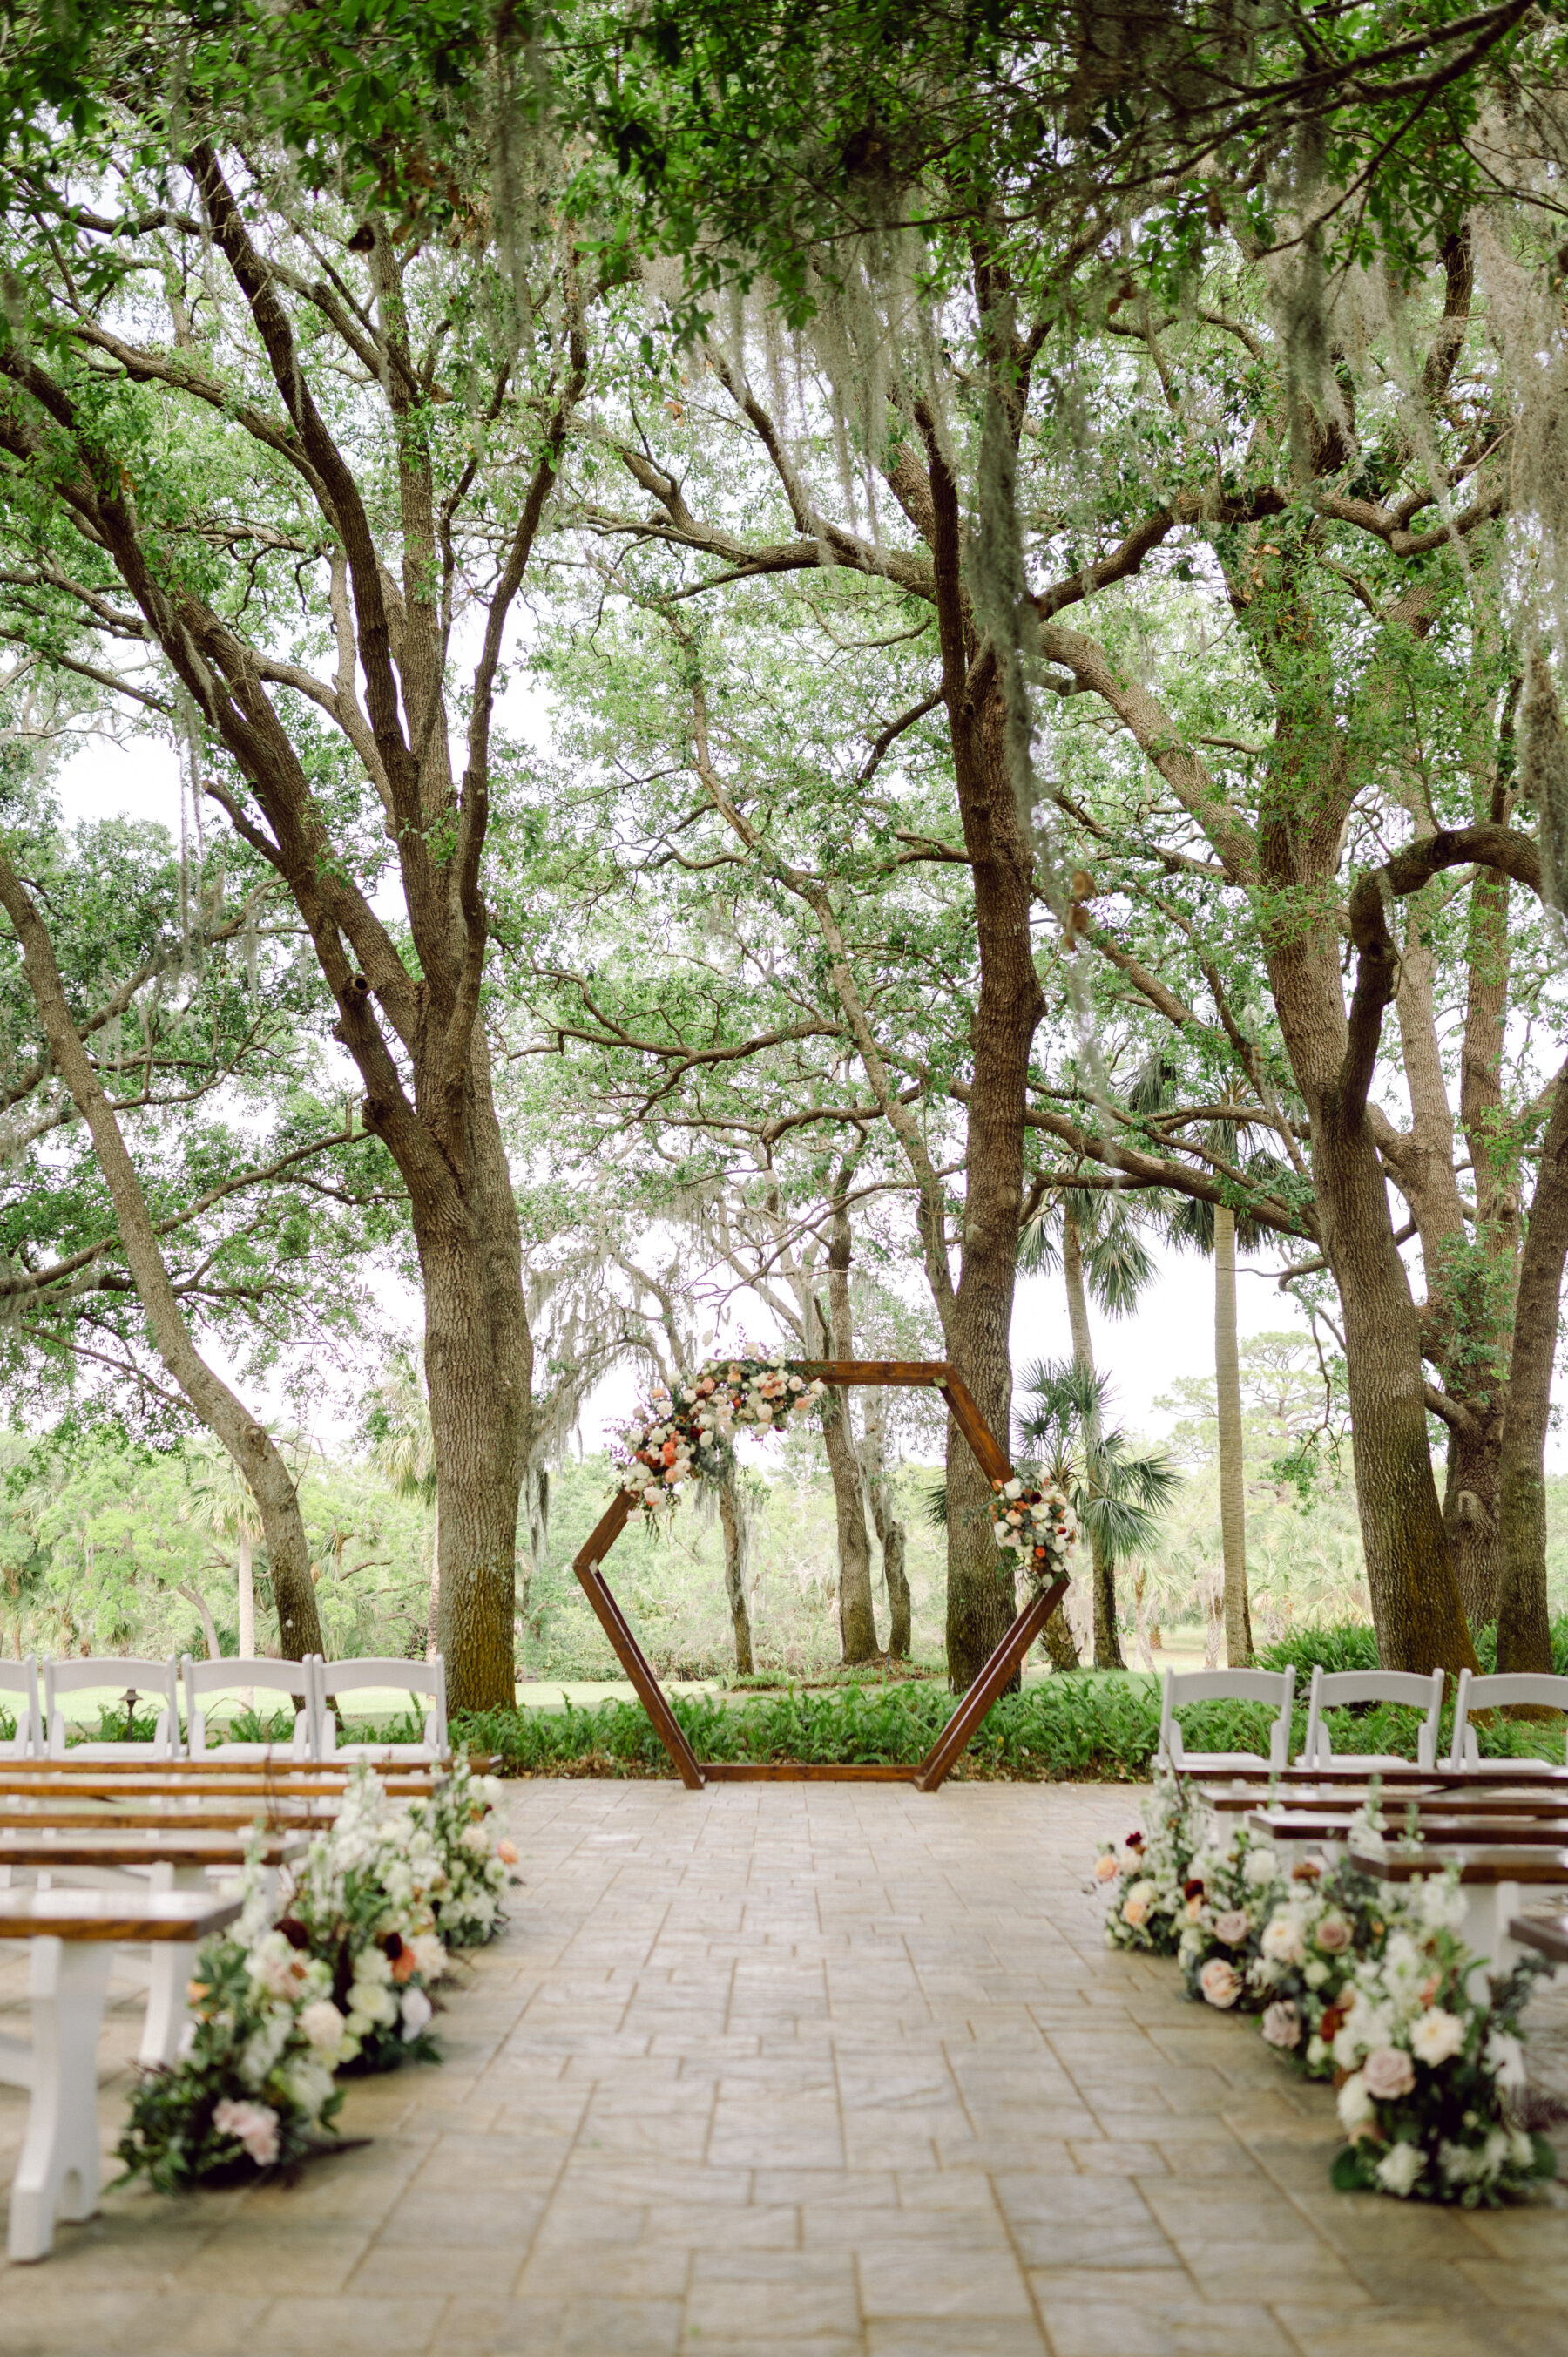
(1354, 2103)
(1281, 1940)
(1400, 2167)
(1258, 1866)
(1503, 2058)
(417, 2011)
(1436, 2037)
(323, 2025)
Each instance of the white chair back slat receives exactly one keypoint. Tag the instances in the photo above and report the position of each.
(1495, 1694)
(413, 1678)
(296, 1681)
(116, 1674)
(1274, 1686)
(21, 1679)
(1335, 1689)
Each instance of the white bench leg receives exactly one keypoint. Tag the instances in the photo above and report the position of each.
(173, 1963)
(57, 2174)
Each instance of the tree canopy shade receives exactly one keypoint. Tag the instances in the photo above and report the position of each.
(1016, 367)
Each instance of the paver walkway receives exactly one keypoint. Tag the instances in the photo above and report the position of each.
(824, 2071)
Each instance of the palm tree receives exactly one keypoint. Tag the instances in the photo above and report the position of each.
(1119, 1494)
(223, 1501)
(1092, 1234)
(1218, 1230)
(402, 1450)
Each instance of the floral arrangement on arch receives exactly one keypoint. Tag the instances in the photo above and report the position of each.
(676, 1436)
(1359, 1980)
(1036, 1525)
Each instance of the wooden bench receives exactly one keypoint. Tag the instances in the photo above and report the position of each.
(73, 1935)
(1547, 1932)
(1492, 1876)
(161, 1859)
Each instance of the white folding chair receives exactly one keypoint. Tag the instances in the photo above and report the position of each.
(114, 1676)
(1276, 1686)
(297, 1681)
(412, 1678)
(1491, 1693)
(21, 1679)
(1332, 1690)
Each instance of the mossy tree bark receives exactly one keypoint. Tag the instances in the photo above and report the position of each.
(1524, 1630)
(1232, 1476)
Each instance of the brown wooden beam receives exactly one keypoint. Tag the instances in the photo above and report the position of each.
(804, 1772)
(964, 1410)
(617, 1628)
(957, 1734)
(908, 1373)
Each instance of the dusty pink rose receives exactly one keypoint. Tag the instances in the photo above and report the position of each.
(1232, 1927)
(1220, 1983)
(254, 2126)
(1281, 2024)
(1389, 2073)
(1333, 1935)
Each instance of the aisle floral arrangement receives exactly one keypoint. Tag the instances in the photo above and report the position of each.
(1037, 1525)
(676, 1436)
(1359, 1980)
(330, 1968)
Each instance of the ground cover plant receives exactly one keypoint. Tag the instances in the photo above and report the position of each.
(1095, 1725)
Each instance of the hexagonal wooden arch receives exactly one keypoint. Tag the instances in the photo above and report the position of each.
(932, 1374)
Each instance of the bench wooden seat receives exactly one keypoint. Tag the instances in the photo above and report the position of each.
(1450, 1827)
(1547, 1932)
(221, 1818)
(73, 1935)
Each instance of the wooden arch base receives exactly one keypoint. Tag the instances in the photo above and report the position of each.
(931, 1374)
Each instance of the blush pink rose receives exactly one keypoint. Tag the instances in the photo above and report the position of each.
(1220, 1983)
(1281, 2024)
(1389, 2073)
(1333, 1935)
(1232, 1927)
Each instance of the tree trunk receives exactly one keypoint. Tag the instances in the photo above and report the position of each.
(204, 1611)
(1008, 1005)
(732, 1521)
(433, 1619)
(890, 1532)
(1524, 1628)
(1232, 1490)
(857, 1615)
(1107, 1635)
(224, 1416)
(1471, 1511)
(478, 1371)
(1416, 1610)
(1101, 1567)
(246, 1597)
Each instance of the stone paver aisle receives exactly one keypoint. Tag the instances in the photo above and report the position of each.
(819, 2071)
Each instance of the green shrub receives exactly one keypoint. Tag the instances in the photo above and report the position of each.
(1092, 1727)
(1352, 1645)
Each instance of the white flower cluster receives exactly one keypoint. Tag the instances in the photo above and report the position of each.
(677, 1436)
(1036, 1525)
(1355, 1979)
(468, 1911)
(369, 1886)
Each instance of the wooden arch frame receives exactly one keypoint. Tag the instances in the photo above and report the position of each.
(932, 1374)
